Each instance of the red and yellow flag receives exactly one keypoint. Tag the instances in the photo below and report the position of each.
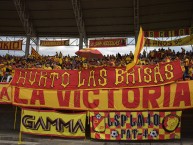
(138, 48)
(35, 53)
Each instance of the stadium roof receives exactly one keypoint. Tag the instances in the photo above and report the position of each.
(97, 18)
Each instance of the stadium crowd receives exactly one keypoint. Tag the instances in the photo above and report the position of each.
(9, 63)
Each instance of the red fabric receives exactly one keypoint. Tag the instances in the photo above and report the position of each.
(102, 77)
(89, 53)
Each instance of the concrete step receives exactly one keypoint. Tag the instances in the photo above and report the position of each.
(8, 142)
(11, 138)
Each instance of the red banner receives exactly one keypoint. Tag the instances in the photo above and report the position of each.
(11, 45)
(149, 125)
(106, 77)
(171, 33)
(108, 42)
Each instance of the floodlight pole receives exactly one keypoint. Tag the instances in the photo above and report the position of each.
(20, 6)
(136, 19)
(80, 23)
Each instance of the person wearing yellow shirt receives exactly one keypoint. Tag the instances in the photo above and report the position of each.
(190, 72)
(3, 69)
(85, 65)
(186, 75)
(60, 60)
(47, 67)
(6, 73)
(128, 59)
(112, 62)
(168, 59)
(13, 70)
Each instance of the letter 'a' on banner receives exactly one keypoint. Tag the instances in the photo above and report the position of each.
(138, 48)
(51, 123)
(5, 93)
(135, 125)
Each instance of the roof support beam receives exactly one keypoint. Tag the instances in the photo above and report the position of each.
(27, 46)
(80, 22)
(136, 18)
(24, 17)
(192, 19)
(20, 6)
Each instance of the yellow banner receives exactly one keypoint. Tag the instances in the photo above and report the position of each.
(170, 33)
(149, 125)
(5, 94)
(44, 122)
(178, 42)
(11, 45)
(54, 43)
(173, 96)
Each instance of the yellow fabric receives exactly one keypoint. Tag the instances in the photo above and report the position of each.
(188, 40)
(190, 71)
(12, 72)
(48, 68)
(101, 100)
(3, 70)
(102, 130)
(187, 62)
(60, 60)
(58, 67)
(59, 129)
(138, 49)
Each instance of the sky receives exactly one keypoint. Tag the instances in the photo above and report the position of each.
(70, 50)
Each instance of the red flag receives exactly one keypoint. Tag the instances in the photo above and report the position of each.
(35, 53)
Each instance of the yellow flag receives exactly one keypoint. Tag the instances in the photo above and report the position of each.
(138, 48)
